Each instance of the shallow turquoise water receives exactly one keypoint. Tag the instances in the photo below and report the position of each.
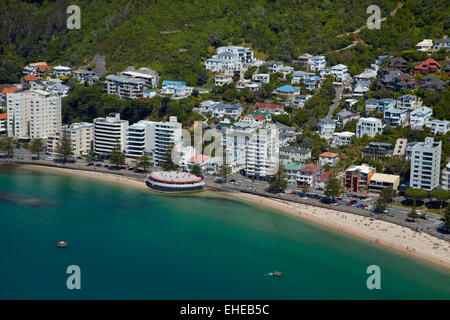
(134, 244)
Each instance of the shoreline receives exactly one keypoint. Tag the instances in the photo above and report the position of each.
(387, 235)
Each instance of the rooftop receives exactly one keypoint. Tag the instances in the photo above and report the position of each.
(329, 155)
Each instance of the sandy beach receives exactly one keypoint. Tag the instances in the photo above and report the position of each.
(377, 232)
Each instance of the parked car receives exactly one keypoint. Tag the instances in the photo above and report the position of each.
(301, 194)
(219, 181)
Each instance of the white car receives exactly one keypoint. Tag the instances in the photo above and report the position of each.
(51, 158)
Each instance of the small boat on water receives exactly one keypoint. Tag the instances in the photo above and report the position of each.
(277, 274)
(62, 244)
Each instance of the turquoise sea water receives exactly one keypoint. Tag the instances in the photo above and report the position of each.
(135, 244)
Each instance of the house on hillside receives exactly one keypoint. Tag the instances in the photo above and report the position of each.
(428, 66)
(432, 83)
(424, 45)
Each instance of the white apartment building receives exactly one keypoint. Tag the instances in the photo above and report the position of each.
(124, 87)
(255, 149)
(369, 126)
(424, 45)
(339, 139)
(326, 126)
(107, 132)
(33, 114)
(340, 72)
(82, 136)
(408, 102)
(317, 63)
(420, 116)
(149, 77)
(445, 182)
(152, 137)
(60, 71)
(261, 77)
(162, 136)
(425, 164)
(395, 116)
(438, 126)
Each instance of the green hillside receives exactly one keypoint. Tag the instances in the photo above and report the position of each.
(174, 36)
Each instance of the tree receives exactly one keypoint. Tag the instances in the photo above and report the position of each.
(116, 156)
(8, 146)
(196, 170)
(388, 194)
(380, 204)
(333, 186)
(90, 156)
(442, 195)
(446, 218)
(225, 169)
(144, 162)
(64, 149)
(278, 182)
(415, 194)
(305, 188)
(168, 163)
(37, 147)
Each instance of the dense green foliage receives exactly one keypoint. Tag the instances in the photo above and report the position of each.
(64, 149)
(174, 36)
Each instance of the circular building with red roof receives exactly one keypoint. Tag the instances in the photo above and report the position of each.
(174, 181)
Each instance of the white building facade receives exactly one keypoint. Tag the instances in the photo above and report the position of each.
(425, 164)
(107, 132)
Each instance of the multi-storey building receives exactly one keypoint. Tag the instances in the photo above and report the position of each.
(33, 114)
(339, 139)
(3, 122)
(438, 126)
(317, 63)
(328, 158)
(308, 175)
(152, 137)
(376, 150)
(395, 116)
(408, 102)
(108, 132)
(445, 182)
(82, 136)
(357, 178)
(124, 87)
(294, 154)
(425, 164)
(420, 116)
(149, 77)
(369, 126)
(326, 126)
(339, 72)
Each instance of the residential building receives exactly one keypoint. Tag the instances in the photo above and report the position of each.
(82, 74)
(398, 63)
(395, 116)
(220, 79)
(328, 158)
(428, 66)
(385, 104)
(149, 77)
(3, 122)
(82, 136)
(360, 90)
(369, 126)
(61, 71)
(425, 164)
(109, 131)
(124, 87)
(148, 93)
(404, 82)
(432, 83)
(288, 90)
(52, 142)
(442, 44)
(400, 147)
(326, 126)
(340, 72)
(272, 108)
(229, 111)
(339, 139)
(322, 181)
(309, 175)
(371, 104)
(261, 78)
(300, 100)
(294, 154)
(380, 181)
(317, 63)
(176, 88)
(408, 151)
(375, 150)
(292, 170)
(357, 178)
(33, 114)
(445, 181)
(424, 45)
(418, 117)
(438, 126)
(37, 69)
(300, 76)
(304, 58)
(345, 116)
(408, 102)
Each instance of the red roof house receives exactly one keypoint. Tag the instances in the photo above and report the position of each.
(428, 66)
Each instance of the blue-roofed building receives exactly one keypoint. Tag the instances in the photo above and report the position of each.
(176, 88)
(288, 90)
